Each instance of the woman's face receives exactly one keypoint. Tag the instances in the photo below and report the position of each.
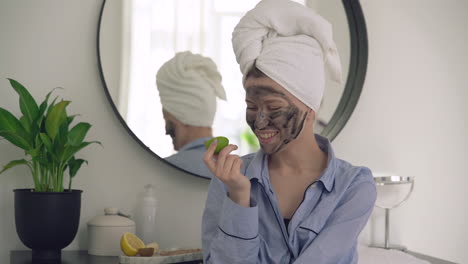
(275, 116)
(171, 128)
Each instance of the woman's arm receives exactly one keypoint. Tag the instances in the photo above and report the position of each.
(230, 221)
(229, 230)
(335, 243)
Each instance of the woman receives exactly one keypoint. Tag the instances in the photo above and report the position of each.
(189, 85)
(293, 201)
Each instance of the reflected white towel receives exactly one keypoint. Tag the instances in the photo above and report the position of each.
(188, 85)
(291, 44)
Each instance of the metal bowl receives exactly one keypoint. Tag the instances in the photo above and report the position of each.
(387, 180)
(391, 182)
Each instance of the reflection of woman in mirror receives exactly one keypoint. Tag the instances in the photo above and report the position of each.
(188, 86)
(293, 201)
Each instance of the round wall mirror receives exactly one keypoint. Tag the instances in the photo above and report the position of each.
(136, 37)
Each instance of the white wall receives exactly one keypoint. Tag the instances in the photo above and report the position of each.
(408, 121)
(411, 120)
(53, 43)
(111, 33)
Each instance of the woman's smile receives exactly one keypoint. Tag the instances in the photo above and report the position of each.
(272, 114)
(266, 137)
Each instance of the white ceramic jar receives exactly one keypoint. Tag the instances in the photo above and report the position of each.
(105, 232)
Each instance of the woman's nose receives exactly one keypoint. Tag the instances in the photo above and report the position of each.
(261, 121)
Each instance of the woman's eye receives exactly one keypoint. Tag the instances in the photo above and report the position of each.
(252, 108)
(274, 108)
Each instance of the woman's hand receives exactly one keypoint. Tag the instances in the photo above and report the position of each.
(226, 167)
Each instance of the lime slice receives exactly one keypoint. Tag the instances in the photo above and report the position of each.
(222, 143)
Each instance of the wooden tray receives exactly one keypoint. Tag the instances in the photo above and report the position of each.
(181, 258)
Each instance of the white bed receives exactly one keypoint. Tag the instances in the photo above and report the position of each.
(368, 255)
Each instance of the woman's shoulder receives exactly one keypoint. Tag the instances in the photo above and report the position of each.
(351, 180)
(352, 173)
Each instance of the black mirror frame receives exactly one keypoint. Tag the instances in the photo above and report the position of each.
(349, 98)
(357, 69)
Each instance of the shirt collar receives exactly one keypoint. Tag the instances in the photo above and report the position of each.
(258, 166)
(328, 175)
(255, 167)
(195, 143)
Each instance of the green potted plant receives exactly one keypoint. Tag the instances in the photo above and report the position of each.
(46, 216)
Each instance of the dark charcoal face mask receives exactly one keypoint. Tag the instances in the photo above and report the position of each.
(271, 114)
(170, 130)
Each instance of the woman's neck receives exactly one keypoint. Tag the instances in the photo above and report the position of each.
(302, 156)
(192, 133)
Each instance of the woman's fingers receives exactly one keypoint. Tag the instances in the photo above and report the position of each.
(228, 164)
(217, 162)
(221, 159)
(228, 149)
(236, 166)
(226, 167)
(208, 158)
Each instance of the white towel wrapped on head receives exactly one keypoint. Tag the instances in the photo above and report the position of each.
(291, 44)
(188, 85)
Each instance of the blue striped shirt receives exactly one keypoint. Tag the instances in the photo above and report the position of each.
(324, 229)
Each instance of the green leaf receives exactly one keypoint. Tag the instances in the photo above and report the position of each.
(55, 118)
(46, 99)
(61, 140)
(47, 142)
(70, 151)
(37, 140)
(12, 130)
(96, 142)
(25, 123)
(28, 105)
(62, 136)
(78, 133)
(8, 121)
(70, 119)
(51, 105)
(44, 158)
(36, 150)
(14, 163)
(33, 153)
(74, 165)
(43, 108)
(16, 139)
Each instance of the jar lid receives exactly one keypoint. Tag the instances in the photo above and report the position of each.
(111, 218)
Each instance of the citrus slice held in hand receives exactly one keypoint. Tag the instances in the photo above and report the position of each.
(222, 142)
(130, 244)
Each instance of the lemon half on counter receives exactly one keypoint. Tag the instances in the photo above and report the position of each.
(130, 244)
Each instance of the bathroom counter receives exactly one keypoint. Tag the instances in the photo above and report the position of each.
(70, 257)
(82, 257)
